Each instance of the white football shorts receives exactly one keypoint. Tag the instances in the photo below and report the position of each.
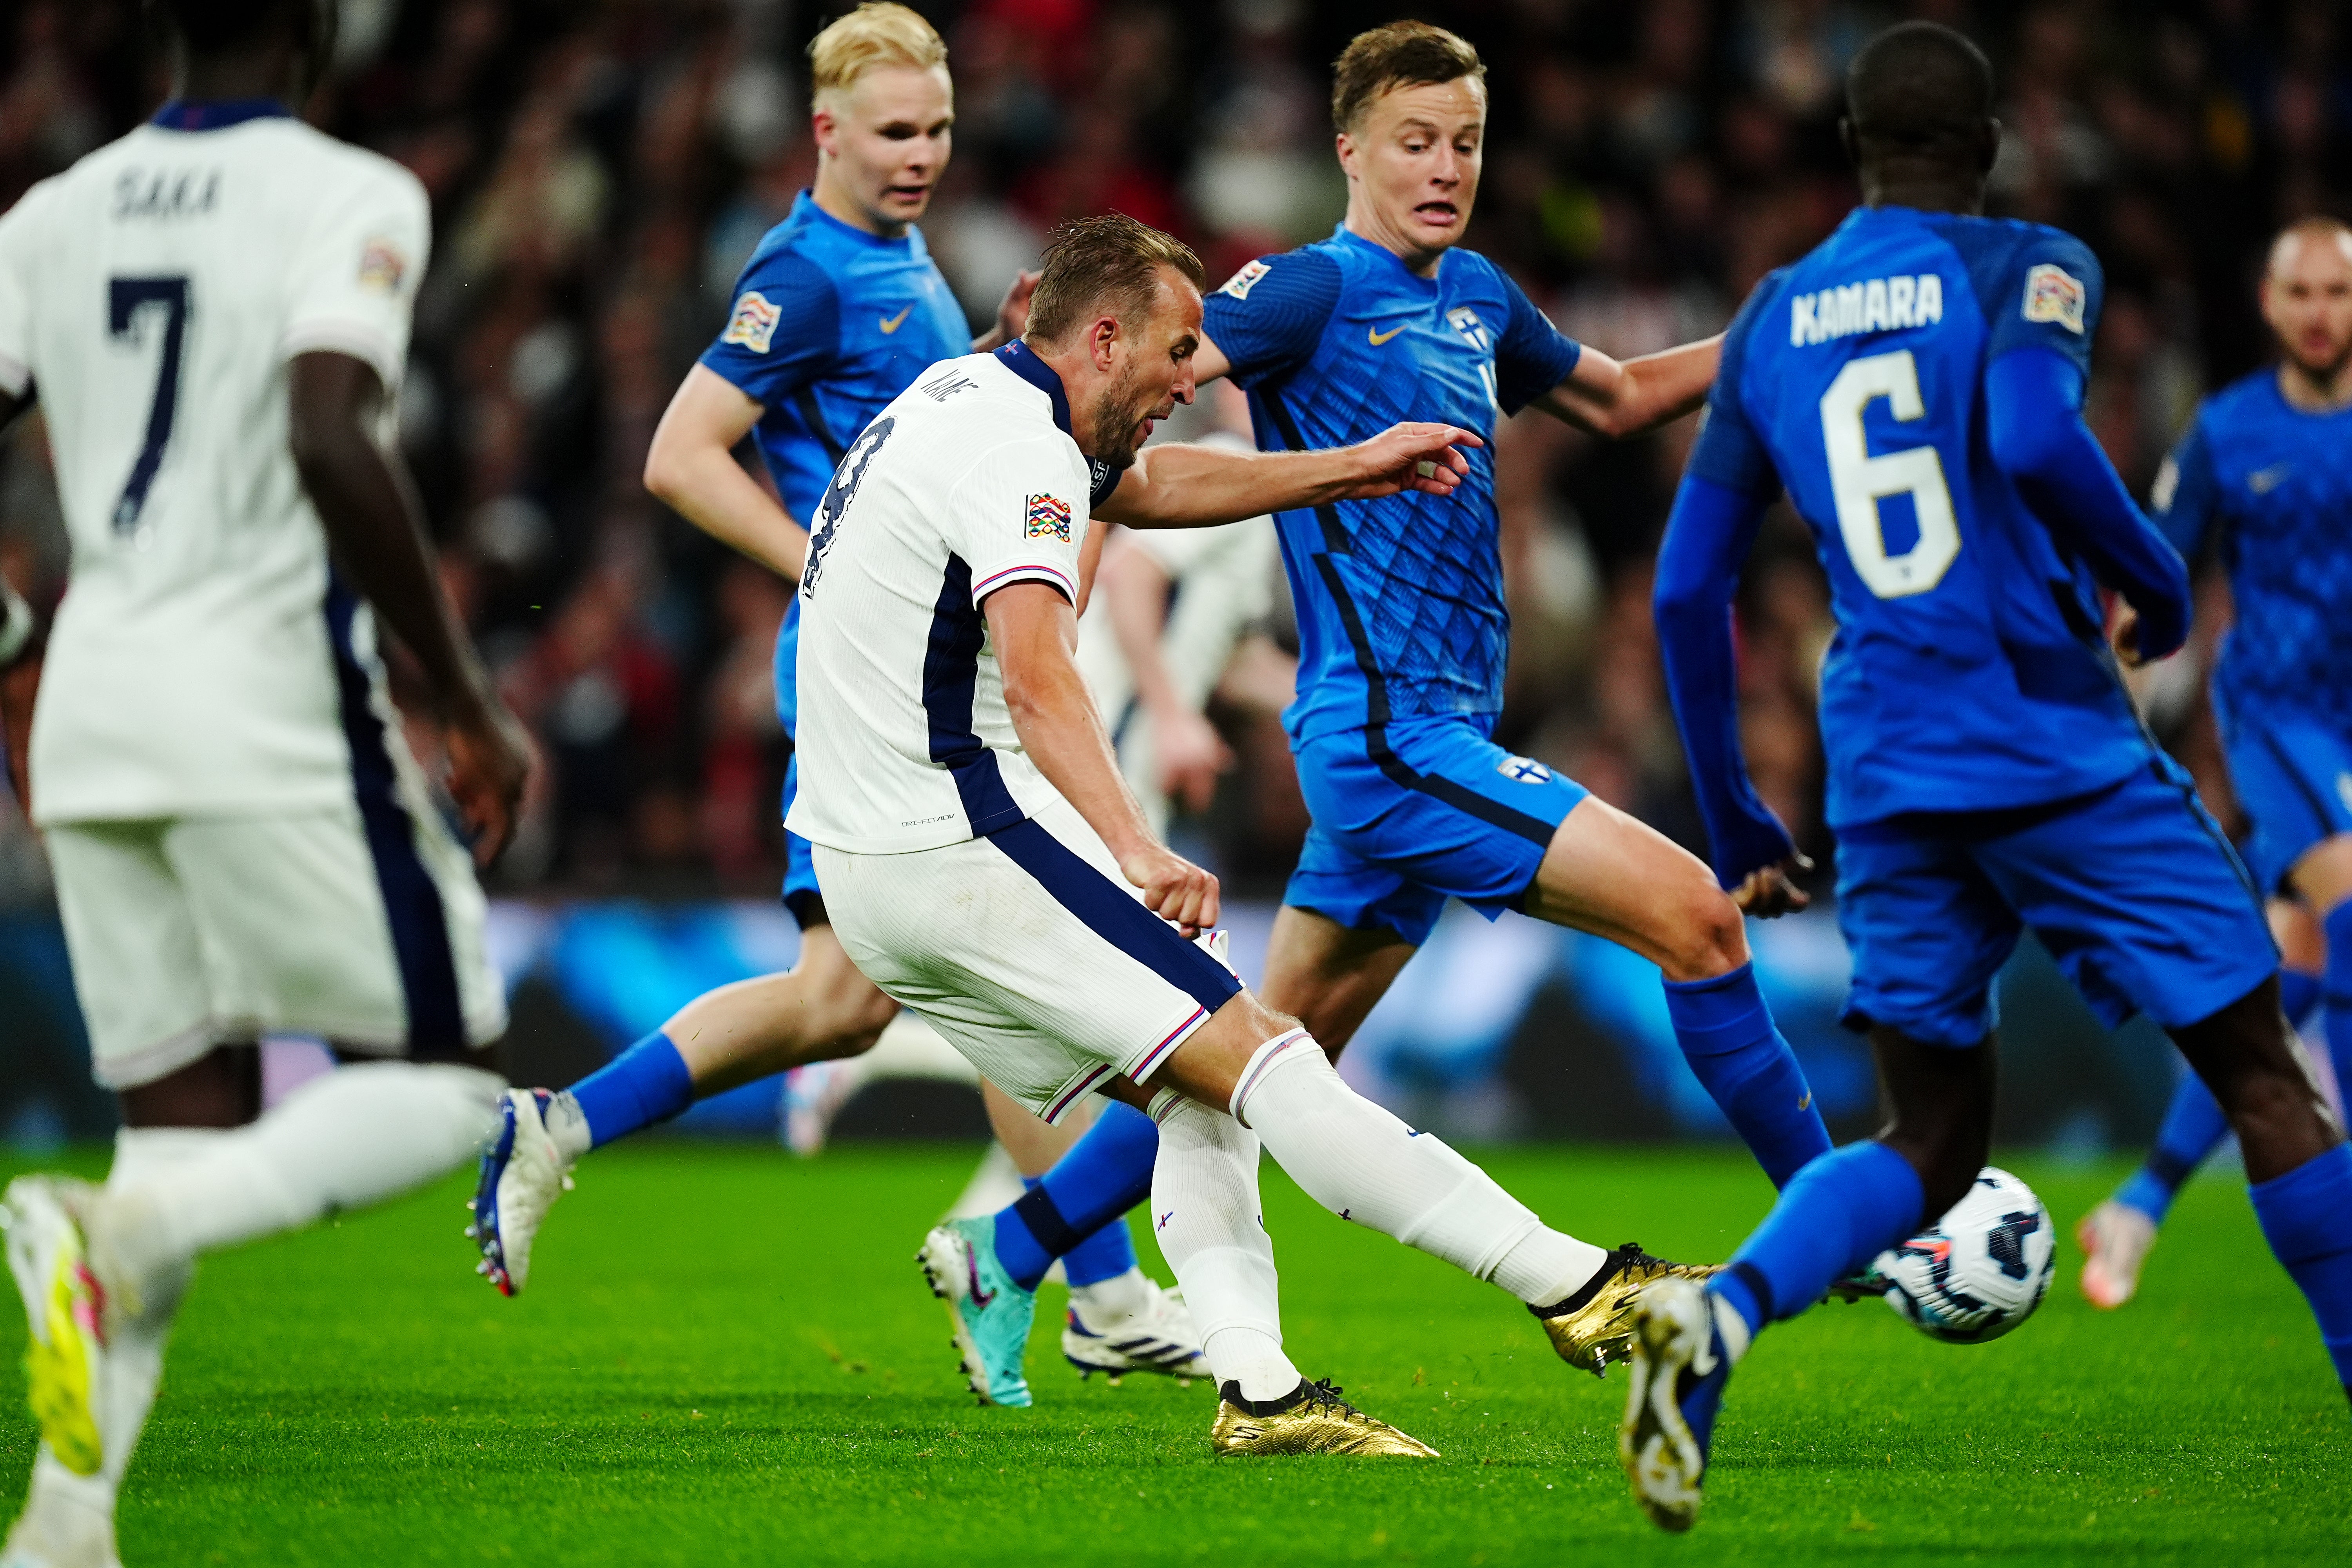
(362, 928)
(1030, 952)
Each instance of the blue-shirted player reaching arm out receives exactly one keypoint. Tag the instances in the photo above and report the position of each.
(1403, 632)
(2266, 468)
(1914, 383)
(839, 309)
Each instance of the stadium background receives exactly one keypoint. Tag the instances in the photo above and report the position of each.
(599, 172)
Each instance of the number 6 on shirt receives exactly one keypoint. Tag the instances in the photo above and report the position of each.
(1860, 481)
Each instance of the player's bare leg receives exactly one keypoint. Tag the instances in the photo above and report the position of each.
(1328, 977)
(821, 1010)
(2117, 1235)
(1607, 873)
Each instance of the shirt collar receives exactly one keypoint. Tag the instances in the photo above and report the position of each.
(182, 114)
(805, 208)
(1347, 236)
(1018, 357)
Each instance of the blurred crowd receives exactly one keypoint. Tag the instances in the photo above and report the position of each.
(600, 169)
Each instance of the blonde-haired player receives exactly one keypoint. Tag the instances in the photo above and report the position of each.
(213, 312)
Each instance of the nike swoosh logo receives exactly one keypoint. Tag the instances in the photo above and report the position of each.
(892, 323)
(2262, 481)
(1807, 1103)
(980, 1298)
(1380, 336)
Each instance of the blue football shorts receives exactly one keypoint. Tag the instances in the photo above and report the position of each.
(2133, 889)
(2292, 776)
(1411, 814)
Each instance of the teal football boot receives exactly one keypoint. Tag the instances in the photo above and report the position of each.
(991, 1313)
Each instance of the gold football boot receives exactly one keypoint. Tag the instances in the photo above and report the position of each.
(1595, 1326)
(1314, 1420)
(65, 1309)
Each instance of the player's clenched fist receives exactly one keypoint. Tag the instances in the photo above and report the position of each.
(1411, 456)
(490, 760)
(1173, 888)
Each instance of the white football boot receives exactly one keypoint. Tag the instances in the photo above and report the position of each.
(66, 1311)
(1157, 1336)
(523, 1173)
(2116, 1238)
(66, 1523)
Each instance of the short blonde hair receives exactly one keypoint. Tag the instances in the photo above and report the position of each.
(878, 33)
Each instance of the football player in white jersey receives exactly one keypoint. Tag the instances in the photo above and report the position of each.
(985, 863)
(213, 313)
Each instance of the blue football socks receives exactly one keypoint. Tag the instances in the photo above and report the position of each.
(1106, 1173)
(1839, 1213)
(1109, 1253)
(2306, 1216)
(648, 1082)
(1729, 1039)
(2193, 1126)
(2338, 987)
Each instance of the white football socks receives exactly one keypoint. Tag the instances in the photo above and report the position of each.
(1204, 1211)
(567, 1125)
(1365, 1166)
(353, 1137)
(1107, 1304)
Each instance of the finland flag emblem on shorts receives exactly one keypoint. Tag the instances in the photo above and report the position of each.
(1524, 770)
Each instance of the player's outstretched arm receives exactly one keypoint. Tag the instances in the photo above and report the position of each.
(377, 534)
(1709, 535)
(1036, 634)
(2034, 403)
(1614, 398)
(1200, 487)
(691, 469)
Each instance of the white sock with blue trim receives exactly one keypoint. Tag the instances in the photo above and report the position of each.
(1204, 1212)
(1363, 1165)
(342, 1141)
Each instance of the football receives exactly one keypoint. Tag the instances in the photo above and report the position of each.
(1980, 1271)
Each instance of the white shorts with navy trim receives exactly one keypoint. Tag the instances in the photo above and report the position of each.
(1030, 952)
(363, 929)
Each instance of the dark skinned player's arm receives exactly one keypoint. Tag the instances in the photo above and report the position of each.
(1709, 535)
(19, 652)
(1034, 633)
(2033, 408)
(375, 530)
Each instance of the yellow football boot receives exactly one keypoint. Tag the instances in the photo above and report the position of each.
(64, 1308)
(1314, 1420)
(1595, 1326)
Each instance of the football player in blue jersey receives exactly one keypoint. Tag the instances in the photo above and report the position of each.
(1915, 384)
(1403, 632)
(2266, 468)
(838, 310)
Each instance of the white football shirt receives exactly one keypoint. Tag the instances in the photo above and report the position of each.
(152, 296)
(968, 482)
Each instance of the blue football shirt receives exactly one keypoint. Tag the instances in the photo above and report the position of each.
(1969, 671)
(2277, 483)
(830, 323)
(1401, 608)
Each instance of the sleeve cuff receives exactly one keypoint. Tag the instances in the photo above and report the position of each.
(360, 340)
(1026, 571)
(15, 375)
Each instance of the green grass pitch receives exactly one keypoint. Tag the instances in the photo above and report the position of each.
(727, 1356)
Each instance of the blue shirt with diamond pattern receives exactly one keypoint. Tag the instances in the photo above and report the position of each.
(1401, 606)
(2275, 484)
